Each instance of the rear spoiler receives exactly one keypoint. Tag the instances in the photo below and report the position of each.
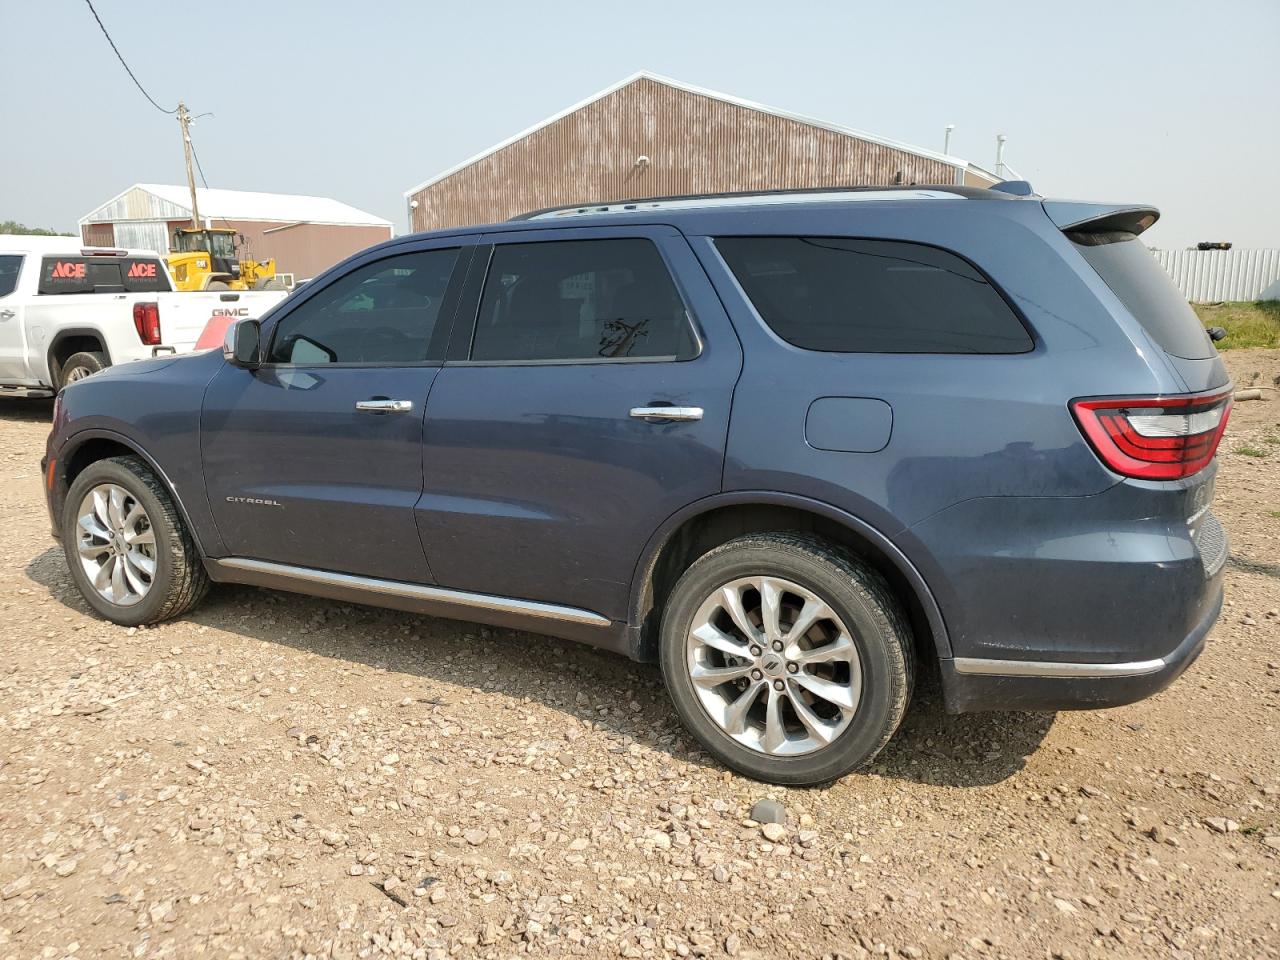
(1075, 217)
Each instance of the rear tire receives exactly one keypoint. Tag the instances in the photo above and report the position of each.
(827, 699)
(118, 513)
(81, 365)
(217, 285)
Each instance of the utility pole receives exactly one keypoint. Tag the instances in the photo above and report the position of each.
(946, 140)
(184, 121)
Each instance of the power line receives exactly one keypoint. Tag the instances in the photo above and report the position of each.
(200, 169)
(122, 61)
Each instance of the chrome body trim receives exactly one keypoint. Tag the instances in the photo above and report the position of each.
(1048, 668)
(415, 591)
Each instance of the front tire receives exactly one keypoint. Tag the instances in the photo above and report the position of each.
(789, 659)
(129, 552)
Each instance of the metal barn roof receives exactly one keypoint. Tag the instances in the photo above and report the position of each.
(954, 161)
(160, 201)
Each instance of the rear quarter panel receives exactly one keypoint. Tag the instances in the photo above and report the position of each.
(964, 425)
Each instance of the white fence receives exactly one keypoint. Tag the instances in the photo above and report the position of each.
(1207, 276)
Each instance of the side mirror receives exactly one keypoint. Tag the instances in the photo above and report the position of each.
(242, 344)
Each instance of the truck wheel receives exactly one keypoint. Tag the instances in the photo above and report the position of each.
(217, 285)
(129, 552)
(81, 365)
(789, 659)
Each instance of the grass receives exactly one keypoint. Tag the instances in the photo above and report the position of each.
(1274, 513)
(1248, 451)
(1248, 324)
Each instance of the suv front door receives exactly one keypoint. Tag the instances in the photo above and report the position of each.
(315, 458)
(13, 341)
(544, 477)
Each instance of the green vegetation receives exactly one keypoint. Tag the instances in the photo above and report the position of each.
(1248, 451)
(14, 227)
(1249, 324)
(1274, 513)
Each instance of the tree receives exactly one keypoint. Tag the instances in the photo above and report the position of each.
(13, 227)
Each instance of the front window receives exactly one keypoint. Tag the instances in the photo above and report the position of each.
(222, 246)
(383, 312)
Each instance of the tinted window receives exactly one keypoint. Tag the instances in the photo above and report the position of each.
(580, 300)
(383, 312)
(9, 266)
(872, 296)
(1141, 284)
(60, 275)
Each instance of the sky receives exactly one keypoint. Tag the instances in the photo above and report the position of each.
(1169, 102)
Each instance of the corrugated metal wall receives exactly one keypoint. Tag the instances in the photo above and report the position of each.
(695, 144)
(1207, 276)
(137, 204)
(98, 235)
(143, 235)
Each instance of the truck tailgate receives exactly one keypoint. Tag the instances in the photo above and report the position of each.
(183, 316)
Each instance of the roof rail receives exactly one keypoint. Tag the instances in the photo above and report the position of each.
(786, 195)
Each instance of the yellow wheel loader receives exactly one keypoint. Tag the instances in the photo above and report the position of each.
(205, 259)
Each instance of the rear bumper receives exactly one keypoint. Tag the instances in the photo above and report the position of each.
(975, 684)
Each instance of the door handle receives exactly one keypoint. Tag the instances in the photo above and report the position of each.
(384, 406)
(658, 414)
(7, 314)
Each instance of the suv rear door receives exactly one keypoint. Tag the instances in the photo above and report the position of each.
(307, 462)
(544, 478)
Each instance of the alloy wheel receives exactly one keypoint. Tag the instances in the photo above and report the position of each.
(774, 666)
(116, 543)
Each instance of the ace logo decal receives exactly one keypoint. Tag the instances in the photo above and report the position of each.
(68, 271)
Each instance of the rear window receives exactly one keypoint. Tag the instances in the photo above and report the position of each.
(59, 275)
(1140, 283)
(845, 295)
(10, 264)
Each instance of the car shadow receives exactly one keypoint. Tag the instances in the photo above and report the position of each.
(622, 697)
(25, 410)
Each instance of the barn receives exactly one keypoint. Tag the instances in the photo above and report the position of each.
(650, 136)
(305, 234)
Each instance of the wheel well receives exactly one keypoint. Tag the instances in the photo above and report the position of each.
(91, 451)
(706, 531)
(65, 346)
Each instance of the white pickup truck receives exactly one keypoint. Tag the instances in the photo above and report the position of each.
(67, 311)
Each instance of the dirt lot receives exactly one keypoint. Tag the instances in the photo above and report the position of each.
(283, 777)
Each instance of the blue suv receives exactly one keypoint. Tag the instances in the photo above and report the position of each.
(796, 447)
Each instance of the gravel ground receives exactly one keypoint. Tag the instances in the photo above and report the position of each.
(276, 776)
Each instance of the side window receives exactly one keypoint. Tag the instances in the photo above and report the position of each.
(845, 295)
(578, 300)
(10, 265)
(382, 312)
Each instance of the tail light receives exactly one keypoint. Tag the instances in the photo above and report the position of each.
(1155, 438)
(146, 317)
